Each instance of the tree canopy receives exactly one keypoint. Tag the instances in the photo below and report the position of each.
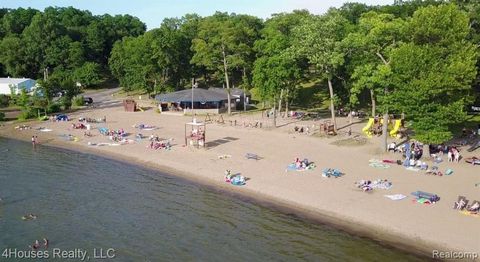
(417, 58)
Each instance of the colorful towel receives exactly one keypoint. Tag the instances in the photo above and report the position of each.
(422, 201)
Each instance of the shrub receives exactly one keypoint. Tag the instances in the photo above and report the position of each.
(78, 101)
(66, 102)
(26, 114)
(4, 100)
(2, 116)
(53, 108)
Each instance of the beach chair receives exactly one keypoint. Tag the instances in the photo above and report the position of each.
(474, 207)
(461, 203)
(252, 156)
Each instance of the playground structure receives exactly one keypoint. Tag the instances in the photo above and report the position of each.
(374, 127)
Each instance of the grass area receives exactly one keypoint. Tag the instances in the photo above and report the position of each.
(10, 108)
(134, 93)
(472, 123)
(312, 95)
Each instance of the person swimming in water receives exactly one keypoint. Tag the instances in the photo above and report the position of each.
(29, 217)
(45, 242)
(35, 245)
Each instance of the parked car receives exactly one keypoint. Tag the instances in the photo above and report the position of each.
(87, 100)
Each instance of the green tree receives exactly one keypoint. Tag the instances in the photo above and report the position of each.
(433, 73)
(131, 62)
(275, 70)
(16, 20)
(319, 38)
(376, 36)
(12, 56)
(89, 74)
(221, 45)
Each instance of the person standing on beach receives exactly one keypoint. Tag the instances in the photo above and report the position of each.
(33, 141)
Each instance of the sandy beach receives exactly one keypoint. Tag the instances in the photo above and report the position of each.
(404, 224)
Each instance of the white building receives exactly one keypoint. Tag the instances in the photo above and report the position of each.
(17, 84)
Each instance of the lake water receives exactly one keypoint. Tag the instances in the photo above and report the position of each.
(87, 202)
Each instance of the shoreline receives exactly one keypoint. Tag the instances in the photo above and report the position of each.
(323, 217)
(403, 225)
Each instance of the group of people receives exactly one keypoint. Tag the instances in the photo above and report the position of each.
(416, 149)
(453, 155)
(452, 152)
(153, 138)
(115, 135)
(92, 120)
(79, 126)
(301, 164)
(34, 140)
(368, 185)
(301, 130)
(462, 204)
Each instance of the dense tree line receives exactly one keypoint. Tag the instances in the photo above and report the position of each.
(417, 58)
(66, 42)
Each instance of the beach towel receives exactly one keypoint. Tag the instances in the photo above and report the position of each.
(45, 130)
(422, 201)
(103, 144)
(448, 172)
(381, 184)
(379, 165)
(411, 168)
(238, 180)
(396, 196)
(126, 141)
(389, 161)
(293, 167)
(468, 213)
(426, 195)
(328, 172)
(252, 156)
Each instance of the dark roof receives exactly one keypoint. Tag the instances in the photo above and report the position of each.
(199, 95)
(233, 91)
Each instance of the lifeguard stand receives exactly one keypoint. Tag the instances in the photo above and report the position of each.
(195, 133)
(129, 105)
